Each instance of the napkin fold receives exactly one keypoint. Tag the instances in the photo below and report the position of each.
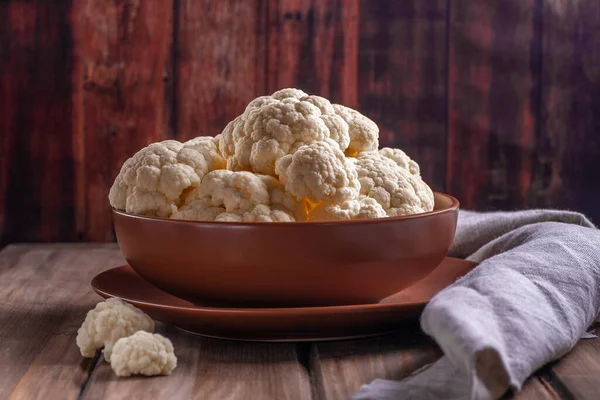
(532, 297)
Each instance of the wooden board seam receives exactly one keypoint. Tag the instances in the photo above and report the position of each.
(92, 366)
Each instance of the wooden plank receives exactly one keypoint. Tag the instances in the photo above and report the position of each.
(493, 101)
(340, 368)
(213, 369)
(6, 112)
(44, 297)
(569, 143)
(534, 388)
(219, 61)
(402, 80)
(77, 123)
(45, 292)
(36, 168)
(578, 371)
(126, 52)
(313, 45)
(58, 371)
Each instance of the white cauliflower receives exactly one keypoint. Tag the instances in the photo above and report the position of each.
(363, 132)
(153, 180)
(143, 353)
(319, 172)
(401, 159)
(109, 321)
(362, 208)
(288, 157)
(369, 208)
(394, 188)
(202, 154)
(242, 196)
(274, 126)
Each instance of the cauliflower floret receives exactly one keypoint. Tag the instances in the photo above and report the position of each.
(143, 353)
(239, 197)
(393, 187)
(151, 181)
(109, 321)
(236, 191)
(369, 208)
(202, 154)
(274, 126)
(362, 208)
(264, 213)
(363, 132)
(158, 177)
(197, 210)
(401, 159)
(319, 172)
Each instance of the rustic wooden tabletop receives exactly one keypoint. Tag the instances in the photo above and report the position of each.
(45, 295)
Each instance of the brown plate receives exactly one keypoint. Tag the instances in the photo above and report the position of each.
(288, 263)
(280, 324)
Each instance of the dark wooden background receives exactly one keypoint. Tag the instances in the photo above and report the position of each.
(499, 101)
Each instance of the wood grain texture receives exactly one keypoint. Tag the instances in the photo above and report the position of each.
(492, 101)
(45, 293)
(126, 52)
(578, 371)
(534, 388)
(210, 369)
(219, 59)
(340, 368)
(402, 80)
(569, 143)
(44, 297)
(495, 100)
(36, 170)
(313, 45)
(57, 372)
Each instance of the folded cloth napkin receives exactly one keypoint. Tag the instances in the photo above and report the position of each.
(534, 294)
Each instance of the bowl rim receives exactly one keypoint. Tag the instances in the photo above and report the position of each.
(453, 206)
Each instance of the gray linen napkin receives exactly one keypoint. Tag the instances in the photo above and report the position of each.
(533, 296)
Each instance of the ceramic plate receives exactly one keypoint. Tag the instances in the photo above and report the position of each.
(280, 324)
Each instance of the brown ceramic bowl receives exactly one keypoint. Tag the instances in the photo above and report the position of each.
(287, 264)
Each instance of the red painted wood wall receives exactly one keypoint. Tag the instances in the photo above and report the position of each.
(499, 101)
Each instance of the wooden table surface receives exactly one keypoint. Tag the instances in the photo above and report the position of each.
(45, 295)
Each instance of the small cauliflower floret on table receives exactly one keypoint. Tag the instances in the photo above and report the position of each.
(143, 353)
(277, 125)
(396, 189)
(155, 179)
(242, 196)
(108, 322)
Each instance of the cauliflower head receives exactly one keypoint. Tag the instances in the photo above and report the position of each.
(108, 322)
(143, 353)
(154, 180)
(288, 157)
(396, 190)
(241, 196)
(363, 132)
(277, 125)
(319, 172)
